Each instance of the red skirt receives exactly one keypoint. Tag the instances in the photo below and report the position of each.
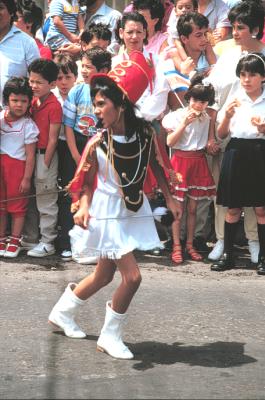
(197, 181)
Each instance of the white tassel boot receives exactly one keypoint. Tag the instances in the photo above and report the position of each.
(62, 314)
(110, 340)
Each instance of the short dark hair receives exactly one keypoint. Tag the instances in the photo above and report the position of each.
(252, 62)
(130, 16)
(186, 22)
(46, 68)
(250, 13)
(155, 7)
(17, 85)
(99, 58)
(66, 63)
(100, 31)
(11, 8)
(199, 90)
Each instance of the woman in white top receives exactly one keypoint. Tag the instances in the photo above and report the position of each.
(241, 182)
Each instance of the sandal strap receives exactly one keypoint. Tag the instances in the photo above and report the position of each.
(194, 254)
(176, 255)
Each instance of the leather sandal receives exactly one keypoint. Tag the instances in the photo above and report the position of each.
(193, 254)
(176, 255)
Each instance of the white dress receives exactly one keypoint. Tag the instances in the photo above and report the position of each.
(113, 230)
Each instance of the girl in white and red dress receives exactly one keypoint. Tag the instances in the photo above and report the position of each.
(188, 135)
(18, 137)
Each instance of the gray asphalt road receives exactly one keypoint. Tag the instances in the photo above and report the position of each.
(195, 334)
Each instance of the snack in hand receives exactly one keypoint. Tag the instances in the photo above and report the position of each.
(256, 120)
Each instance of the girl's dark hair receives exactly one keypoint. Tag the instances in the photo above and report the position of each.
(17, 86)
(155, 7)
(11, 8)
(112, 92)
(31, 14)
(200, 91)
(130, 16)
(66, 63)
(186, 23)
(250, 13)
(252, 62)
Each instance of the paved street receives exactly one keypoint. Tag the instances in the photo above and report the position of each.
(195, 334)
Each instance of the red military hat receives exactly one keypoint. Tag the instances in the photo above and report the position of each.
(132, 76)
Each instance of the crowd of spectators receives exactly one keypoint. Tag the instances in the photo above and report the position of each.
(46, 114)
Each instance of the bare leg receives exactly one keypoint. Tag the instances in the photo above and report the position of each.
(17, 225)
(131, 279)
(3, 224)
(102, 275)
(176, 226)
(191, 219)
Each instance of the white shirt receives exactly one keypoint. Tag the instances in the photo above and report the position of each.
(151, 105)
(195, 136)
(15, 135)
(58, 95)
(17, 51)
(217, 14)
(240, 124)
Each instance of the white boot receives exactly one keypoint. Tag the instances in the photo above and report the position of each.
(110, 340)
(62, 314)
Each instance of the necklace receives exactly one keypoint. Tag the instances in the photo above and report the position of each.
(110, 156)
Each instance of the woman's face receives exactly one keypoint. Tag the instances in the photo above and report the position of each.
(133, 36)
(106, 112)
(241, 33)
(5, 18)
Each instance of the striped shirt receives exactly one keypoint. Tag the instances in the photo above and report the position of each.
(68, 12)
(17, 51)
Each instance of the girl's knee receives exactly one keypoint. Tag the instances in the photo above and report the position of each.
(260, 212)
(134, 279)
(234, 212)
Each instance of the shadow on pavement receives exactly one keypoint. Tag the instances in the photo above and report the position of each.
(216, 355)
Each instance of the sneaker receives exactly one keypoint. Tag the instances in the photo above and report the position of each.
(13, 248)
(27, 245)
(42, 250)
(66, 255)
(253, 246)
(86, 260)
(217, 251)
(3, 244)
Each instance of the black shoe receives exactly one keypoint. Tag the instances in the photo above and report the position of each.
(261, 266)
(155, 252)
(226, 262)
(200, 245)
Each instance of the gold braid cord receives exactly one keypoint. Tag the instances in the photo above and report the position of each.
(76, 186)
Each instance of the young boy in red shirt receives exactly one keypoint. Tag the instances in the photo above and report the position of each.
(47, 114)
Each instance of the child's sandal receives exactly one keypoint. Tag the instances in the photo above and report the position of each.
(193, 254)
(176, 255)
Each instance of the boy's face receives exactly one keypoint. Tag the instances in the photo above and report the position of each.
(197, 40)
(41, 87)
(183, 7)
(94, 43)
(87, 69)
(65, 82)
(18, 105)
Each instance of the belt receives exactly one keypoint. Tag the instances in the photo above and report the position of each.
(40, 151)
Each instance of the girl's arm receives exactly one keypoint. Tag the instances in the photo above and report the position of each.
(81, 217)
(223, 128)
(29, 167)
(70, 138)
(162, 181)
(80, 23)
(212, 145)
(174, 136)
(210, 54)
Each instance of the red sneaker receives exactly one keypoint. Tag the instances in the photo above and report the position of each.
(13, 247)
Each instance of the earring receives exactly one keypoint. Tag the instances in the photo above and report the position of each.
(254, 36)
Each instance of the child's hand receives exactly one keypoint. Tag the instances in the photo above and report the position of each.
(74, 38)
(259, 124)
(187, 66)
(190, 117)
(231, 109)
(81, 217)
(25, 185)
(212, 147)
